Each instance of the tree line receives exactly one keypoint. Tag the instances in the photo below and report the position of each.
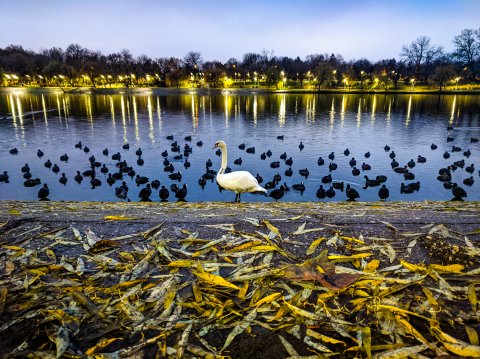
(420, 63)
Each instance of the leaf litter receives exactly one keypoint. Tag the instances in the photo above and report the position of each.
(182, 294)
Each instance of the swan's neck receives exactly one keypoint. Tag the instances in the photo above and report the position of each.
(224, 160)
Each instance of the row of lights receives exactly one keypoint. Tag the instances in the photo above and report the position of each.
(148, 77)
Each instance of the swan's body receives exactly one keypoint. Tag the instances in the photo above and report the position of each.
(236, 181)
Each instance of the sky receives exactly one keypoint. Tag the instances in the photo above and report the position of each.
(222, 29)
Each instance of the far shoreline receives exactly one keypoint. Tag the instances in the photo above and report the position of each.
(233, 91)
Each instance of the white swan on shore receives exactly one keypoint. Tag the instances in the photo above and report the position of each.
(236, 181)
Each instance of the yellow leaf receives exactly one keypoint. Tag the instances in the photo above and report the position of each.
(399, 310)
(100, 345)
(351, 239)
(323, 337)
(372, 266)
(215, 280)
(119, 218)
(197, 293)
(431, 299)
(302, 312)
(340, 257)
(14, 212)
(472, 296)
(228, 260)
(268, 299)
(472, 335)
(272, 228)
(279, 315)
(405, 324)
(367, 341)
(463, 349)
(314, 245)
(13, 248)
(182, 263)
(245, 246)
(453, 268)
(264, 248)
(413, 267)
(170, 297)
(243, 291)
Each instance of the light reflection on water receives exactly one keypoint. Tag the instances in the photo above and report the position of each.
(324, 123)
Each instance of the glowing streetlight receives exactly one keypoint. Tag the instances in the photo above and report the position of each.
(456, 82)
(412, 83)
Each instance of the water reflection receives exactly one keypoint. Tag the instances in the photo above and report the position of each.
(389, 112)
(310, 108)
(110, 120)
(342, 111)
(409, 110)
(374, 108)
(124, 118)
(282, 111)
(227, 104)
(159, 115)
(135, 119)
(359, 112)
(195, 111)
(452, 114)
(151, 129)
(255, 109)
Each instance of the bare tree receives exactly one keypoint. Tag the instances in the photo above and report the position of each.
(251, 61)
(192, 61)
(420, 53)
(467, 48)
(442, 75)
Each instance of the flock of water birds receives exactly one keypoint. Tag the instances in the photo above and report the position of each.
(239, 182)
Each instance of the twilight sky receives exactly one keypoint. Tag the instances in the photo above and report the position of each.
(220, 29)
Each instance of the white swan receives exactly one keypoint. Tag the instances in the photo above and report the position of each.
(237, 181)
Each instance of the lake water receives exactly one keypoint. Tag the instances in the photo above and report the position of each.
(325, 123)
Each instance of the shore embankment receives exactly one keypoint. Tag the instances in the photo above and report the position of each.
(229, 280)
(238, 91)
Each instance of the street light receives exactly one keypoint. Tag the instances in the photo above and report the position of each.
(412, 83)
(456, 82)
